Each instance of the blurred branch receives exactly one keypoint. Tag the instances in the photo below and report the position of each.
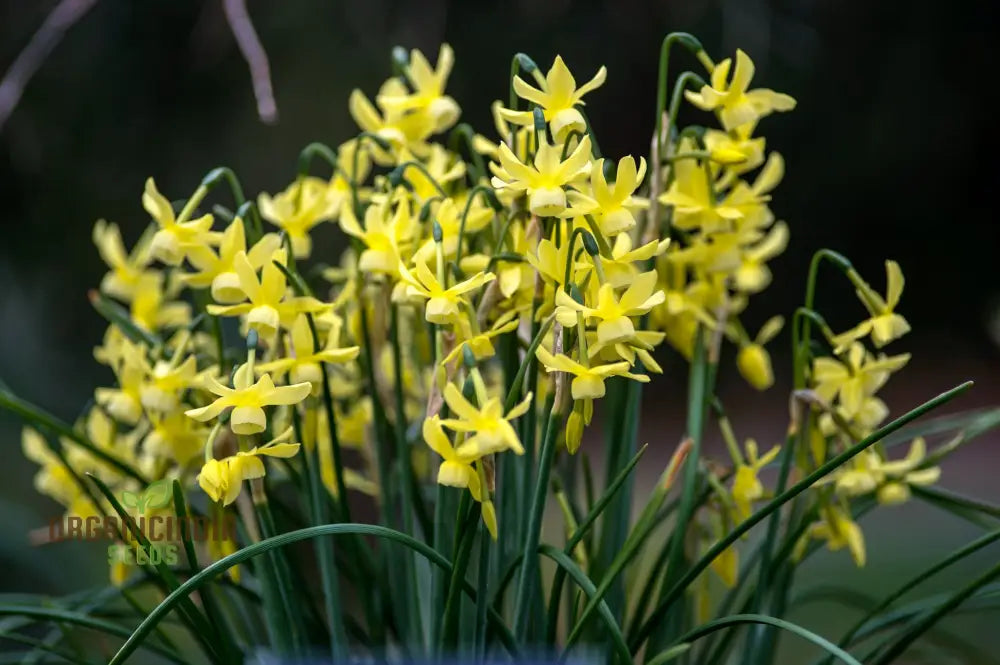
(253, 52)
(61, 19)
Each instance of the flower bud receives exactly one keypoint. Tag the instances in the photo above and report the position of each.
(893, 493)
(400, 59)
(539, 118)
(754, 364)
(525, 63)
(490, 518)
(727, 156)
(574, 431)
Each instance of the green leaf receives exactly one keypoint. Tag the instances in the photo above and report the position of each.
(587, 585)
(578, 535)
(229, 649)
(528, 581)
(42, 418)
(222, 565)
(193, 618)
(86, 621)
(40, 646)
(669, 654)
(738, 619)
(798, 488)
(917, 580)
(965, 507)
(902, 643)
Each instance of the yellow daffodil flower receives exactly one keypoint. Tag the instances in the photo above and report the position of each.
(124, 403)
(550, 260)
(301, 206)
(456, 468)
(481, 344)
(613, 206)
(516, 276)
(727, 566)
(448, 215)
(217, 269)
(869, 472)
(735, 148)
(730, 98)
(588, 382)
(267, 307)
(753, 360)
(151, 308)
(164, 381)
(753, 274)
(176, 236)
(639, 346)
(353, 422)
(885, 325)
(691, 196)
(442, 304)
(407, 131)
(174, 437)
(557, 96)
(854, 380)
(223, 479)
(521, 140)
(53, 479)
(613, 312)
(747, 487)
(248, 400)
(428, 90)
(839, 531)
(383, 238)
(488, 427)
(302, 361)
(345, 177)
(900, 475)
(619, 269)
(543, 180)
(128, 270)
(751, 200)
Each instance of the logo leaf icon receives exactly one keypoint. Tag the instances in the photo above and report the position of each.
(130, 499)
(158, 494)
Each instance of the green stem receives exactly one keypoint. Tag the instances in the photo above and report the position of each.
(325, 554)
(528, 581)
(290, 635)
(491, 200)
(699, 392)
(399, 173)
(691, 43)
(406, 474)
(800, 340)
(464, 131)
(465, 535)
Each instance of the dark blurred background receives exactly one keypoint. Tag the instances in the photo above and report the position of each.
(890, 154)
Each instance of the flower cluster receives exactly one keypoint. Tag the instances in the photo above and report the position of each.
(493, 292)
